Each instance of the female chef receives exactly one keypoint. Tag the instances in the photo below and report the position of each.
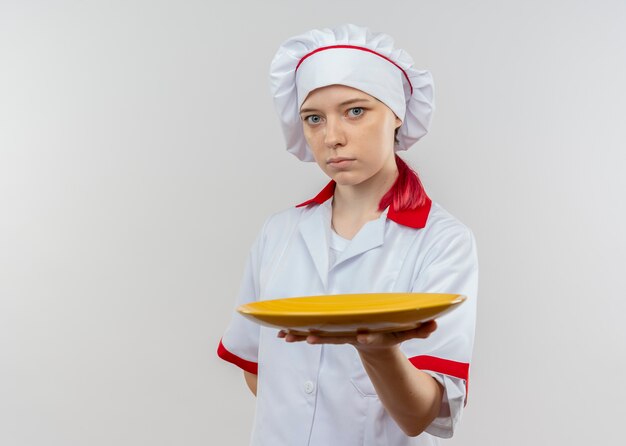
(348, 100)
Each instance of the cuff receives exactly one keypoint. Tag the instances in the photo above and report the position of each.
(445, 367)
(248, 366)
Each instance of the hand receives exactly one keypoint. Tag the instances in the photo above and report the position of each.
(365, 342)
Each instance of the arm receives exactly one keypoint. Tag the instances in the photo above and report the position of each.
(239, 344)
(251, 381)
(411, 397)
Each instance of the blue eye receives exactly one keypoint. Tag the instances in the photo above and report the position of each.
(358, 111)
(313, 119)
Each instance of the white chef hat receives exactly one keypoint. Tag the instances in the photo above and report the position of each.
(353, 56)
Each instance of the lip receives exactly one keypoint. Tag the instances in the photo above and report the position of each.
(339, 162)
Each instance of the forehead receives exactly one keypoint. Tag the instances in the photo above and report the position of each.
(332, 95)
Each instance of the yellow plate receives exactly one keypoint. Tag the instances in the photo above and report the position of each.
(343, 314)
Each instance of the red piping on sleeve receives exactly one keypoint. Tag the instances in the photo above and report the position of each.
(445, 366)
(248, 366)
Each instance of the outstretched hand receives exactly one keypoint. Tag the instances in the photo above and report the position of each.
(365, 341)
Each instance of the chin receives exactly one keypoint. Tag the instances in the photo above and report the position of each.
(348, 178)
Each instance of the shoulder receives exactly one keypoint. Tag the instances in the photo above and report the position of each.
(443, 228)
(442, 221)
(281, 220)
(447, 253)
(279, 225)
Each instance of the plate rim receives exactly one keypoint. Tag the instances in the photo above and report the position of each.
(246, 310)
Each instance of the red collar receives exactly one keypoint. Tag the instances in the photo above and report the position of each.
(415, 218)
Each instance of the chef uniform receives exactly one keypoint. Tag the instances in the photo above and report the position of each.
(320, 395)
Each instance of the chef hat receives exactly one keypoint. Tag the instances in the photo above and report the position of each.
(353, 56)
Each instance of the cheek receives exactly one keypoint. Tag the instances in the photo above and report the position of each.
(311, 137)
(378, 140)
(318, 154)
(308, 138)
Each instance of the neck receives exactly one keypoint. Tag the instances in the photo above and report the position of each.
(362, 200)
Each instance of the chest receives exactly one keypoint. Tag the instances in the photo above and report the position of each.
(382, 257)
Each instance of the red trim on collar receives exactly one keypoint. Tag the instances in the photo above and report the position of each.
(324, 195)
(415, 218)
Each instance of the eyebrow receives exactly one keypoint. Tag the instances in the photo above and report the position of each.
(349, 101)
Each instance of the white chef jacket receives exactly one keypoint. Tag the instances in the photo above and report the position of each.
(320, 395)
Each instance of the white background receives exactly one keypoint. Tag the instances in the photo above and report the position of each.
(140, 153)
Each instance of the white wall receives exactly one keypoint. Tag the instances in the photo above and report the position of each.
(139, 153)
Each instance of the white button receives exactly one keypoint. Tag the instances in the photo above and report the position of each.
(309, 387)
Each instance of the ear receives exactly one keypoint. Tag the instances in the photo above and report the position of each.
(398, 122)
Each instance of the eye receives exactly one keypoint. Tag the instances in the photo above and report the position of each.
(312, 119)
(356, 111)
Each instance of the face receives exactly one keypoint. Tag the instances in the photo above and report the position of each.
(350, 133)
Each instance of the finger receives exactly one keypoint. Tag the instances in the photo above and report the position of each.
(336, 340)
(288, 336)
(422, 331)
(373, 338)
(311, 338)
(292, 337)
(364, 339)
(428, 327)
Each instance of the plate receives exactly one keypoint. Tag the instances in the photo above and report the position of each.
(346, 314)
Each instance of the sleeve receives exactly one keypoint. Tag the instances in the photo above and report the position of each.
(240, 342)
(449, 266)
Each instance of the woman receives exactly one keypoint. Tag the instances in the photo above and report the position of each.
(348, 100)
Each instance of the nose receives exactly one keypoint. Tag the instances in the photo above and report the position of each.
(334, 135)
